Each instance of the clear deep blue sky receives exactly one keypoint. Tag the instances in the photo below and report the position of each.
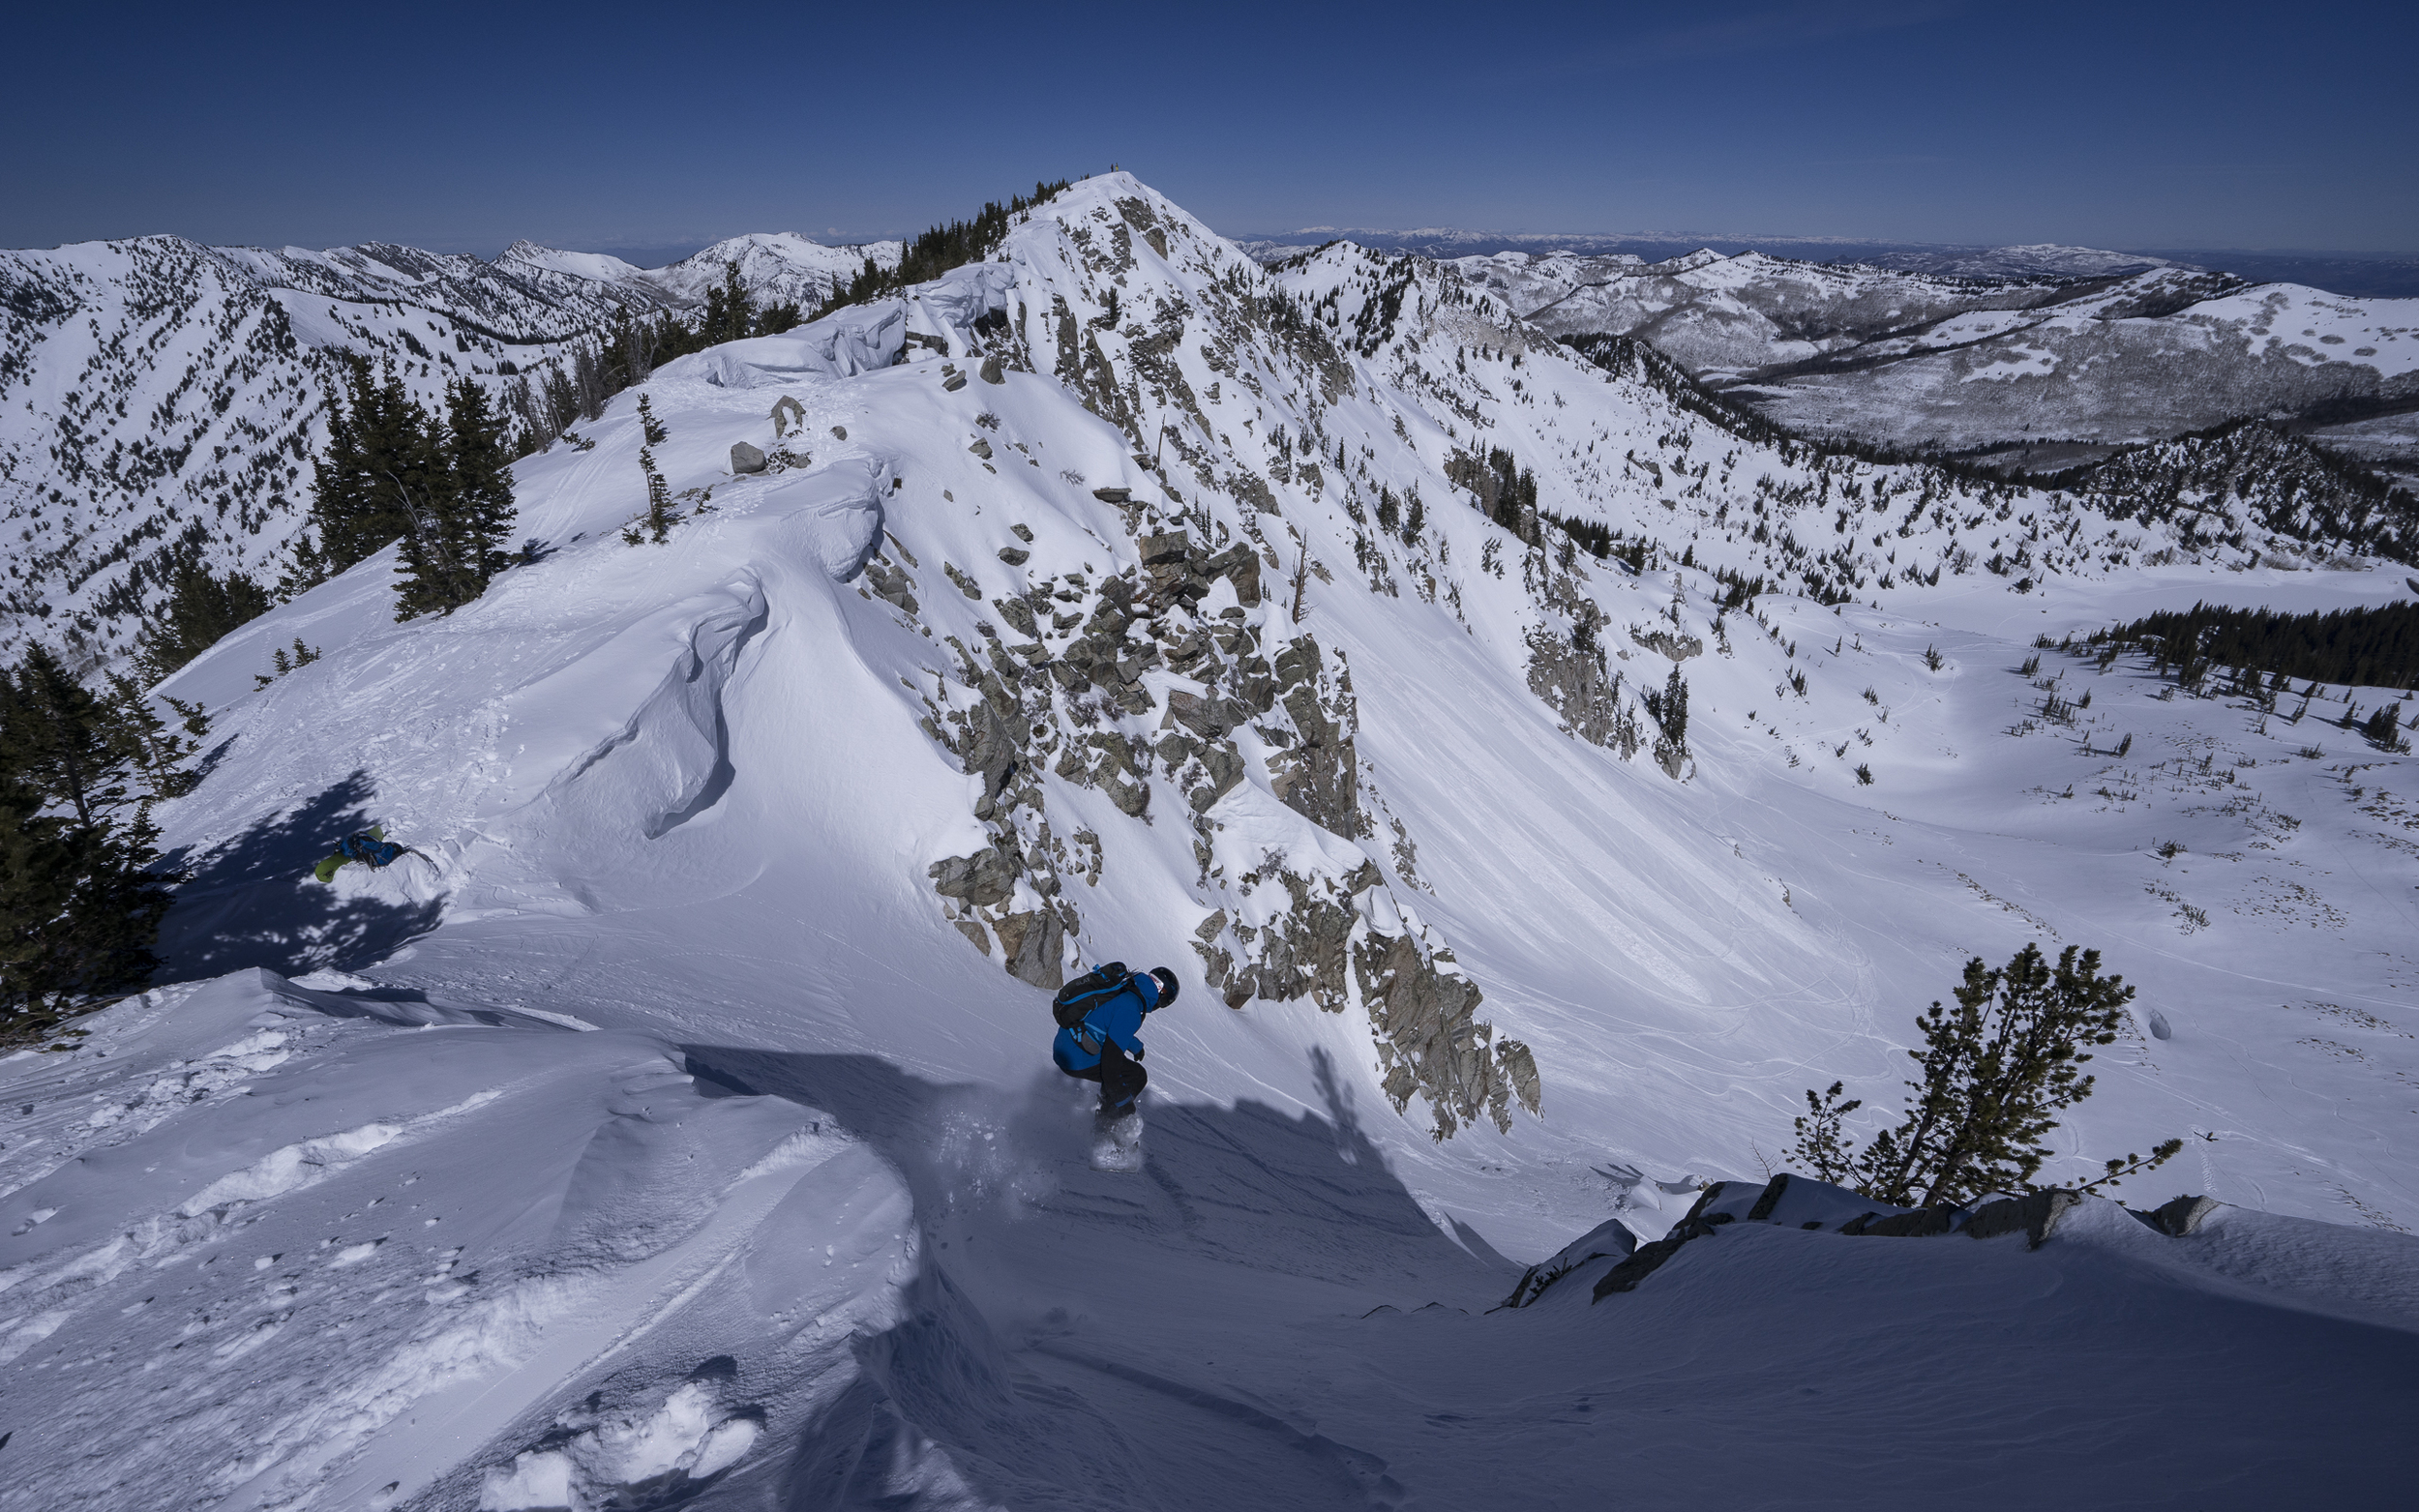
(661, 127)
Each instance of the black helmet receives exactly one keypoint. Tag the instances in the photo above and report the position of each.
(1167, 985)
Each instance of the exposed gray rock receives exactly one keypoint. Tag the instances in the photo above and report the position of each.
(1204, 716)
(1664, 642)
(1223, 766)
(953, 382)
(1770, 1200)
(2035, 1215)
(1017, 556)
(981, 448)
(1569, 674)
(1319, 777)
(1024, 533)
(1921, 1224)
(787, 413)
(890, 584)
(1611, 1237)
(991, 371)
(1651, 1258)
(986, 877)
(966, 584)
(840, 432)
(1168, 547)
(1112, 495)
(2182, 1217)
(1019, 614)
(745, 457)
(1035, 944)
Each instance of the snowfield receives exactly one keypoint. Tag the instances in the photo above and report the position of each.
(681, 1130)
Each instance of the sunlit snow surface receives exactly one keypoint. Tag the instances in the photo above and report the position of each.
(655, 1141)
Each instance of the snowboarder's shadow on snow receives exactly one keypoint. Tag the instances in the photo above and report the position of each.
(1248, 1189)
(252, 902)
(1205, 1167)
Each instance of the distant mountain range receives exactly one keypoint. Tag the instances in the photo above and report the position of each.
(2359, 274)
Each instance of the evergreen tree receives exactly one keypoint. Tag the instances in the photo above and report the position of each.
(375, 472)
(200, 608)
(659, 510)
(730, 313)
(654, 429)
(1997, 1069)
(81, 904)
(1670, 707)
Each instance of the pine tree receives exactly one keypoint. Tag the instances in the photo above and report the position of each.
(373, 477)
(1670, 707)
(1997, 1069)
(457, 503)
(655, 431)
(659, 510)
(199, 609)
(81, 904)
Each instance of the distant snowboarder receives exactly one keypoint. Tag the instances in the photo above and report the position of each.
(369, 846)
(1100, 1017)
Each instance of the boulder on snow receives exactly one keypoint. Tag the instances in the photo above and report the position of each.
(981, 448)
(987, 877)
(2180, 1218)
(787, 412)
(2035, 1215)
(745, 457)
(1112, 495)
(1017, 556)
(991, 371)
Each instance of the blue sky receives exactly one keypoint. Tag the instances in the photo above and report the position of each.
(655, 128)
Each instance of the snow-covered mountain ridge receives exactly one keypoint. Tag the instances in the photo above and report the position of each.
(683, 1132)
(159, 397)
(1961, 363)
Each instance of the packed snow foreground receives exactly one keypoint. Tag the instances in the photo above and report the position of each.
(681, 1130)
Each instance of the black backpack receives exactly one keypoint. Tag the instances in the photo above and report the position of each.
(1088, 991)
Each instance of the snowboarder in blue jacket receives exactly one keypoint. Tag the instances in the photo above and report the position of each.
(1105, 1046)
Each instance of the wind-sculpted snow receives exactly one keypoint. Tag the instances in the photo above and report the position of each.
(1158, 607)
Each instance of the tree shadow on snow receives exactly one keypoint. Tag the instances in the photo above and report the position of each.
(1028, 1255)
(253, 902)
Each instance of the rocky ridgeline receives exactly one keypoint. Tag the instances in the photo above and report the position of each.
(1789, 1200)
(1064, 692)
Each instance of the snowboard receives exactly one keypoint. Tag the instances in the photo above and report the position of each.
(1118, 1145)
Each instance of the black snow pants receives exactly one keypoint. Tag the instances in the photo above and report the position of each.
(1121, 1078)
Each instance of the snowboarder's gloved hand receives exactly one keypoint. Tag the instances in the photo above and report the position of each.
(1138, 1053)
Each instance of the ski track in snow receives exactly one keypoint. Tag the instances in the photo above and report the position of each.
(658, 1142)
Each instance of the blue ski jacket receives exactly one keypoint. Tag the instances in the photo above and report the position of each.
(1120, 1019)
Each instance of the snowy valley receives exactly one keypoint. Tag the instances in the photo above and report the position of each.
(1537, 774)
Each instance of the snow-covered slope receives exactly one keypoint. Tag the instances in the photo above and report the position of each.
(683, 1126)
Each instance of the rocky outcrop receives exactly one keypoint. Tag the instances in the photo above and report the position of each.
(1611, 1237)
(1567, 672)
(2035, 1215)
